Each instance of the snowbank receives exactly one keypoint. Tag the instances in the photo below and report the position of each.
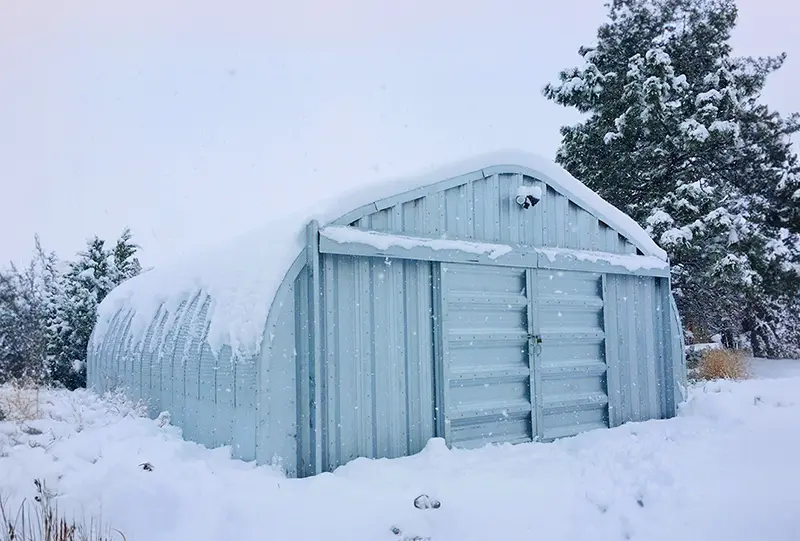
(243, 276)
(726, 468)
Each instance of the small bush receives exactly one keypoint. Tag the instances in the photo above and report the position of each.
(722, 364)
(43, 522)
(19, 401)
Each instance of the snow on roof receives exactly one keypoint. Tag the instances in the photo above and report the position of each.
(242, 277)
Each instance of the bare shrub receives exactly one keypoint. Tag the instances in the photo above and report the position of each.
(722, 364)
(19, 401)
(42, 521)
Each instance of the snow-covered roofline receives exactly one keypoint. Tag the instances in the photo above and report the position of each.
(242, 277)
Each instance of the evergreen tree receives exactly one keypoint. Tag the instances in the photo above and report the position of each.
(84, 285)
(126, 264)
(24, 306)
(89, 279)
(677, 138)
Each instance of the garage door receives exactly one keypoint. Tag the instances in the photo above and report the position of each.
(521, 354)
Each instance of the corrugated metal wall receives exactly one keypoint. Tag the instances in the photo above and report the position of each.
(377, 366)
(639, 339)
(507, 354)
(173, 369)
(486, 210)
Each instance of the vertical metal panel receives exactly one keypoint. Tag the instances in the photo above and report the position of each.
(441, 356)
(143, 359)
(201, 379)
(122, 357)
(481, 201)
(114, 366)
(154, 361)
(315, 319)
(216, 383)
(629, 326)
(304, 344)
(535, 354)
(104, 369)
(277, 403)
(649, 307)
(677, 355)
(327, 434)
(136, 368)
(378, 358)
(615, 398)
(660, 337)
(195, 424)
(246, 385)
(419, 373)
(644, 358)
(167, 355)
(176, 374)
(547, 209)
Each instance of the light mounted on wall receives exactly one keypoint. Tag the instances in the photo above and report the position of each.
(528, 196)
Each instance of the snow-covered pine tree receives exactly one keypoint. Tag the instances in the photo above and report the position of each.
(24, 306)
(75, 310)
(675, 135)
(125, 263)
(90, 278)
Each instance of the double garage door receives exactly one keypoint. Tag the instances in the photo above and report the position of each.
(522, 354)
(471, 353)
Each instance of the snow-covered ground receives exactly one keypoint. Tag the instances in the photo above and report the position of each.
(726, 468)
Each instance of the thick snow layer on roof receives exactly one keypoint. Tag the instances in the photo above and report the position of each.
(243, 276)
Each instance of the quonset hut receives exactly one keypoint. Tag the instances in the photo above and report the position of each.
(497, 301)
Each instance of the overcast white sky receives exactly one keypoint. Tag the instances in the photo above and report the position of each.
(183, 118)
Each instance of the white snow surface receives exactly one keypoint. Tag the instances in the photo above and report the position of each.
(242, 277)
(384, 241)
(631, 262)
(725, 468)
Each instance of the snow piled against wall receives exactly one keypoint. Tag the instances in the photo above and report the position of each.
(242, 277)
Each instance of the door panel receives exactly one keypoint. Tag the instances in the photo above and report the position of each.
(572, 354)
(485, 358)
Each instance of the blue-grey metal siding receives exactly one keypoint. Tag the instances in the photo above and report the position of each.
(485, 209)
(641, 375)
(377, 370)
(212, 398)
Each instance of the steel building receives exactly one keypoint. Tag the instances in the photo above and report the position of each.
(502, 301)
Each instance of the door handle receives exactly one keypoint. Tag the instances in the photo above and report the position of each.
(536, 342)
